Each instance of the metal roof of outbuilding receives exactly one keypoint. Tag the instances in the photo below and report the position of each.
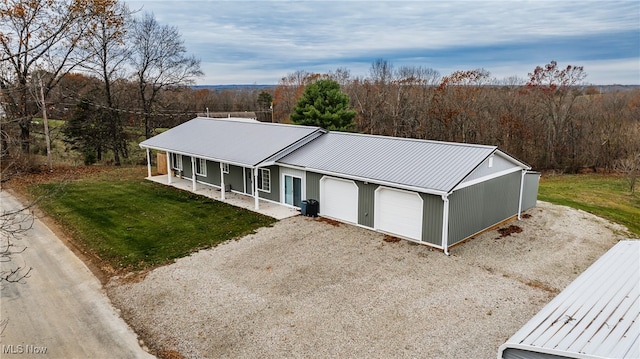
(596, 316)
(431, 165)
(233, 140)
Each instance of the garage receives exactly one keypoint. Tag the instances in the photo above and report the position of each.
(339, 199)
(398, 212)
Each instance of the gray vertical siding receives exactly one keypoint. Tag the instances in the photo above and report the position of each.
(366, 203)
(213, 173)
(530, 190)
(234, 178)
(274, 194)
(313, 186)
(432, 219)
(480, 206)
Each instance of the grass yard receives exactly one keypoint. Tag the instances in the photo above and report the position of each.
(134, 224)
(603, 195)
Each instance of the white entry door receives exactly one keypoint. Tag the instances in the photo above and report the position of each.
(339, 199)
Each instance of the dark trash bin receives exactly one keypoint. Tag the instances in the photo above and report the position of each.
(312, 208)
(303, 207)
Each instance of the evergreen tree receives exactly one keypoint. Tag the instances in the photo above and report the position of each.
(323, 104)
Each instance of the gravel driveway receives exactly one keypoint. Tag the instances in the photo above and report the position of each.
(307, 288)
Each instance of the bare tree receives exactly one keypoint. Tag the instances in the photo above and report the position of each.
(36, 34)
(557, 92)
(106, 55)
(13, 225)
(159, 59)
(630, 168)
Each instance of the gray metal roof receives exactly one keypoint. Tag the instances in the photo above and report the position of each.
(596, 316)
(231, 140)
(430, 165)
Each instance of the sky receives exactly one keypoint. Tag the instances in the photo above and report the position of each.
(259, 42)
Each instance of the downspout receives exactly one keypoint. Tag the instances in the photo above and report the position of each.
(255, 187)
(148, 163)
(193, 173)
(445, 223)
(168, 168)
(222, 189)
(524, 172)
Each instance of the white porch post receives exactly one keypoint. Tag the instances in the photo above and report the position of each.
(148, 164)
(255, 187)
(221, 181)
(168, 168)
(193, 173)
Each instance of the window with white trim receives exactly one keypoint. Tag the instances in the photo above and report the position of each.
(176, 161)
(201, 167)
(264, 180)
(225, 168)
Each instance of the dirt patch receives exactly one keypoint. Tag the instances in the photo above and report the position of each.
(312, 289)
(391, 239)
(328, 221)
(507, 231)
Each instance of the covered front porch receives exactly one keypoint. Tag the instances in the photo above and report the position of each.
(267, 208)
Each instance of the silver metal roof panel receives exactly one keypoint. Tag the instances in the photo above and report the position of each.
(596, 316)
(234, 140)
(431, 165)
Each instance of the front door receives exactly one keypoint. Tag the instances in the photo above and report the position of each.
(292, 191)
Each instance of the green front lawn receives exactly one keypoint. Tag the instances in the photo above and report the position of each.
(133, 224)
(603, 195)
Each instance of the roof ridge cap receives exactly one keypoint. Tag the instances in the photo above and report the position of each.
(411, 139)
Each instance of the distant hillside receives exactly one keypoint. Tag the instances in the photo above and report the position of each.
(233, 87)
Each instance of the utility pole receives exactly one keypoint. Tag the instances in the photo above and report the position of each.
(46, 127)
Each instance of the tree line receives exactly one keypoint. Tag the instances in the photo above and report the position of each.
(96, 57)
(550, 119)
(115, 76)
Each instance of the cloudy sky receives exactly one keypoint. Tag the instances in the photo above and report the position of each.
(259, 42)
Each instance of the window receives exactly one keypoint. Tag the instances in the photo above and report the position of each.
(490, 161)
(201, 167)
(225, 168)
(264, 180)
(176, 161)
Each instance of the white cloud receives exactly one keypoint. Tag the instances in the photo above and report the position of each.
(253, 37)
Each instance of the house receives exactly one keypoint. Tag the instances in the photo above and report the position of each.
(596, 316)
(430, 192)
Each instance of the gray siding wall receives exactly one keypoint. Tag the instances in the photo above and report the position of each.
(213, 173)
(499, 164)
(366, 203)
(432, 219)
(234, 178)
(313, 187)
(530, 190)
(480, 206)
(274, 194)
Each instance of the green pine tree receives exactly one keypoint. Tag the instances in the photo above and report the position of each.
(323, 104)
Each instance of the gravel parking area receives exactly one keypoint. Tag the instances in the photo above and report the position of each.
(307, 288)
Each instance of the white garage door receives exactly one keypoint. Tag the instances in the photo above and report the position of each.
(399, 212)
(339, 199)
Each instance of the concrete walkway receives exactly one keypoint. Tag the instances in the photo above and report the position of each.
(60, 311)
(267, 208)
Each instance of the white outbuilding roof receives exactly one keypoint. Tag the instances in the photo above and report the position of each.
(596, 316)
(237, 141)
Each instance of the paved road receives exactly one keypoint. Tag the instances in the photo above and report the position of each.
(61, 311)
